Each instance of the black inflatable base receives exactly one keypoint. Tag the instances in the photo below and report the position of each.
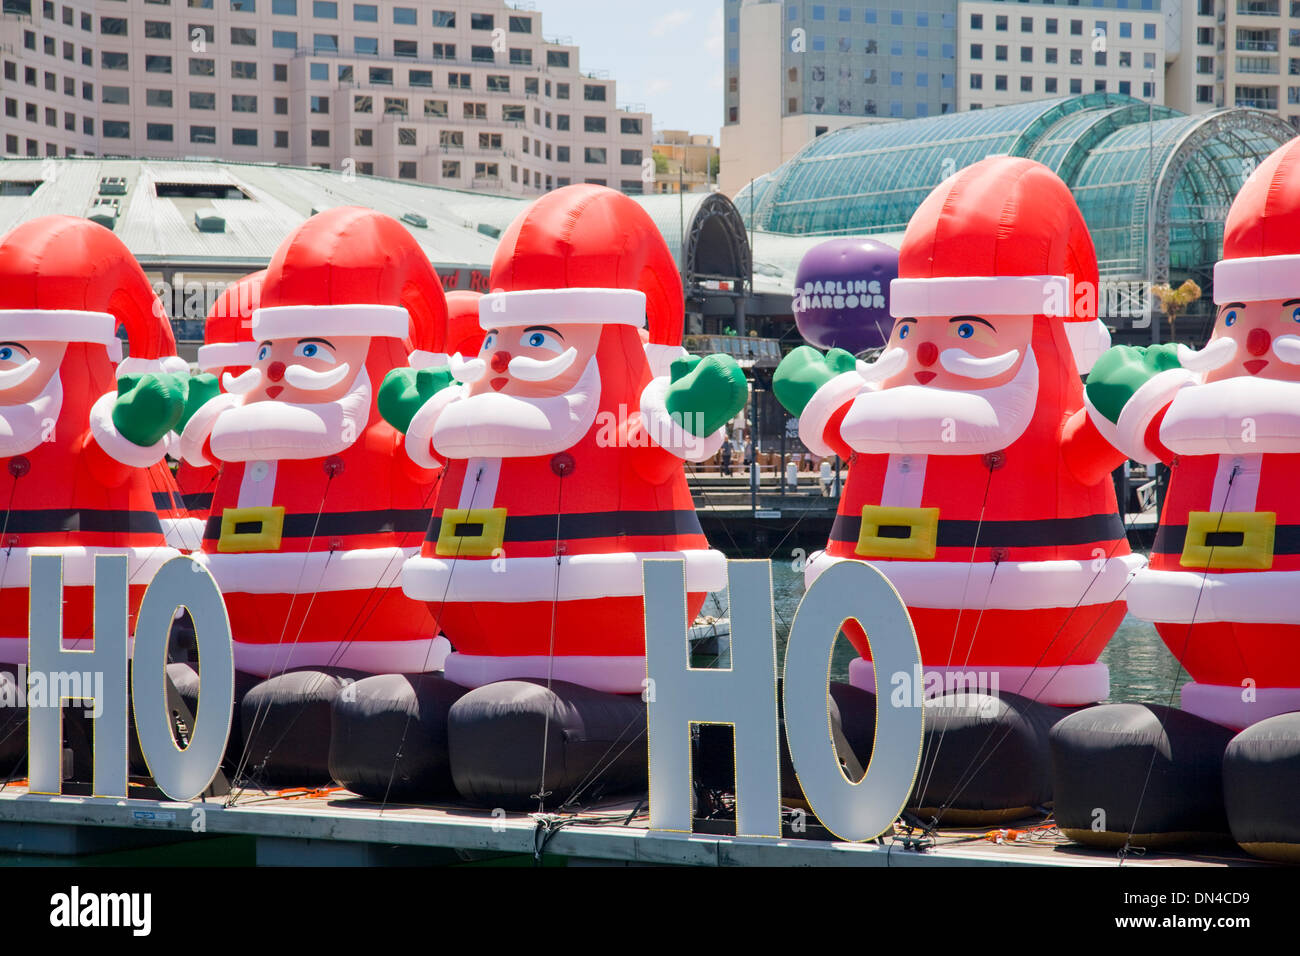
(1261, 780)
(185, 678)
(285, 728)
(389, 737)
(594, 743)
(985, 760)
(1104, 757)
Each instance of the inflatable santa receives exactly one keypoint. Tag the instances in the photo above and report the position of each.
(976, 482)
(1219, 588)
(563, 456)
(77, 441)
(314, 510)
(227, 349)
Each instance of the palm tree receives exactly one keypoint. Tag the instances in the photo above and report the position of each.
(1175, 302)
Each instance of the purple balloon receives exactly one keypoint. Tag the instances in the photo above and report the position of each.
(841, 297)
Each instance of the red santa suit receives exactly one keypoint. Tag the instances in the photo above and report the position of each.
(307, 537)
(71, 484)
(1005, 543)
(1225, 566)
(228, 348)
(532, 565)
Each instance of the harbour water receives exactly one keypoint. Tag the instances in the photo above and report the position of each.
(1141, 668)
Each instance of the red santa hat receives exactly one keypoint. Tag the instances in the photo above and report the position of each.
(1261, 238)
(587, 254)
(464, 334)
(228, 330)
(354, 271)
(67, 279)
(1003, 236)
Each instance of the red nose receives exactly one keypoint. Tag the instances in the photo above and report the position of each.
(276, 371)
(927, 353)
(500, 361)
(1258, 341)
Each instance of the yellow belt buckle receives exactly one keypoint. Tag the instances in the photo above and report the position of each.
(250, 529)
(898, 532)
(1231, 540)
(474, 533)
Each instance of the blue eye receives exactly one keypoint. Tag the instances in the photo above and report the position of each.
(263, 352)
(536, 339)
(488, 342)
(313, 350)
(1230, 318)
(6, 354)
(903, 332)
(309, 350)
(965, 330)
(1295, 315)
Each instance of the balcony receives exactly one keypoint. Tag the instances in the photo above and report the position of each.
(1260, 8)
(1257, 46)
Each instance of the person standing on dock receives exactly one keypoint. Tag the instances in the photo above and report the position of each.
(726, 458)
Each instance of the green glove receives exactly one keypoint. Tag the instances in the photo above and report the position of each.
(198, 390)
(705, 393)
(804, 371)
(1122, 370)
(405, 390)
(148, 407)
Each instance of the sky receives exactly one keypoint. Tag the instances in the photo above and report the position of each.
(667, 57)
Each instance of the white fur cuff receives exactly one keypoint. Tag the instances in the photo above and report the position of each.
(826, 401)
(667, 433)
(114, 443)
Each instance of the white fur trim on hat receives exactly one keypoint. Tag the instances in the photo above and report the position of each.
(58, 325)
(421, 359)
(1088, 340)
(826, 401)
(1256, 279)
(297, 321)
(116, 445)
(220, 355)
(140, 366)
(562, 307)
(668, 433)
(980, 295)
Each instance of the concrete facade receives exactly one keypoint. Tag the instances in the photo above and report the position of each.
(460, 93)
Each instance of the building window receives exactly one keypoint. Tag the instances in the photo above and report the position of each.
(202, 67)
(1000, 24)
(405, 16)
(381, 75)
(1000, 53)
(325, 42)
(444, 18)
(1026, 84)
(436, 108)
(243, 69)
(1076, 58)
(243, 36)
(281, 105)
(490, 140)
(320, 138)
(977, 51)
(1076, 28)
(116, 129)
(561, 91)
(1026, 24)
(158, 64)
(482, 54)
(1076, 86)
(112, 26)
(512, 114)
(593, 124)
(161, 132)
(159, 98)
(1049, 84)
(450, 169)
(362, 103)
(593, 93)
(282, 141)
(243, 103)
(396, 106)
(1026, 54)
(153, 30)
(1049, 55)
(521, 57)
(405, 48)
(113, 61)
(977, 81)
(630, 125)
(521, 24)
(320, 104)
(458, 81)
(497, 83)
(481, 21)
(977, 21)
(325, 9)
(1148, 31)
(475, 111)
(203, 134)
(451, 138)
(406, 169)
(284, 8)
(562, 154)
(561, 122)
(116, 95)
(630, 157)
(444, 51)
(594, 155)
(281, 73)
(365, 46)
(421, 78)
(558, 59)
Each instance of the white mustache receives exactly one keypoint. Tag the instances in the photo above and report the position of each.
(13, 377)
(535, 370)
(243, 383)
(960, 362)
(885, 365)
(1216, 354)
(300, 376)
(466, 371)
(1287, 349)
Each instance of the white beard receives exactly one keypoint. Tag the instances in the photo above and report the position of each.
(272, 430)
(23, 427)
(493, 425)
(1238, 415)
(923, 420)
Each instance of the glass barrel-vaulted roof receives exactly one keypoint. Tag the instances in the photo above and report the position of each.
(1129, 164)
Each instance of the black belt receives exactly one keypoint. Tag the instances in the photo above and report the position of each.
(341, 524)
(57, 520)
(1041, 533)
(163, 501)
(598, 524)
(198, 501)
(1171, 539)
